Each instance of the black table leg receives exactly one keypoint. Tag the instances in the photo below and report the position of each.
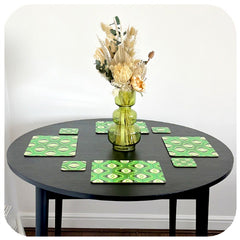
(58, 216)
(41, 212)
(202, 202)
(172, 216)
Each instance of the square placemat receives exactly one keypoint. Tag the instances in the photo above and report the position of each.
(68, 131)
(161, 130)
(183, 162)
(126, 171)
(189, 147)
(73, 166)
(52, 146)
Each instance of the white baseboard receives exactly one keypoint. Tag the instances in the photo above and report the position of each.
(130, 221)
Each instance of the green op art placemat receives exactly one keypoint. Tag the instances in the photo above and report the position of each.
(71, 166)
(189, 147)
(126, 171)
(68, 131)
(102, 127)
(183, 162)
(55, 146)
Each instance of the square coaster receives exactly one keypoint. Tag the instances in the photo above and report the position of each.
(143, 127)
(161, 130)
(52, 146)
(189, 147)
(73, 166)
(183, 162)
(68, 131)
(103, 126)
(126, 171)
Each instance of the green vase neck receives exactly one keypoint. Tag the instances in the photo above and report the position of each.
(125, 98)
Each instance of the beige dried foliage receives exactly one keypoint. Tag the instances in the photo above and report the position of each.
(112, 48)
(110, 41)
(130, 40)
(133, 31)
(105, 50)
(117, 49)
(121, 73)
(140, 68)
(121, 56)
(106, 29)
(99, 55)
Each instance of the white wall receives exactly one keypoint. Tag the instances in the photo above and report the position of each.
(51, 77)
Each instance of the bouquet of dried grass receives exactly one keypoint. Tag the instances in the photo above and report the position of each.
(115, 58)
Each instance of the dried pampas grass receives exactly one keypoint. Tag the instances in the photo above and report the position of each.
(115, 58)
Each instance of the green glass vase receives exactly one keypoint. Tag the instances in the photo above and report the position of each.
(124, 134)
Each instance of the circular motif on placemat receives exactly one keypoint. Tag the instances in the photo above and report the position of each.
(193, 154)
(43, 141)
(39, 149)
(52, 145)
(141, 176)
(98, 170)
(139, 165)
(127, 180)
(50, 153)
(126, 170)
(180, 149)
(74, 165)
(28, 153)
(202, 149)
(111, 165)
(154, 170)
(63, 149)
(112, 176)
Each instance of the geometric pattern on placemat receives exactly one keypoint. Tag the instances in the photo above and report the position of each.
(183, 162)
(71, 166)
(68, 131)
(189, 147)
(161, 130)
(47, 146)
(126, 171)
(103, 126)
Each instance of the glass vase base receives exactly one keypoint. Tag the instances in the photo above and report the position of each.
(124, 148)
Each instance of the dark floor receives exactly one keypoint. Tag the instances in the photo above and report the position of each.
(118, 232)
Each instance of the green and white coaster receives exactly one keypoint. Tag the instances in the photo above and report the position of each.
(189, 147)
(52, 146)
(68, 131)
(143, 127)
(126, 171)
(71, 166)
(161, 130)
(183, 162)
(103, 126)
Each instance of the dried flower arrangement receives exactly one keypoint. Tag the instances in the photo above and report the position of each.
(115, 58)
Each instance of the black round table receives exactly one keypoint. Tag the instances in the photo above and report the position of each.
(181, 183)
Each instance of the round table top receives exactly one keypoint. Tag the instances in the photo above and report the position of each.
(45, 172)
